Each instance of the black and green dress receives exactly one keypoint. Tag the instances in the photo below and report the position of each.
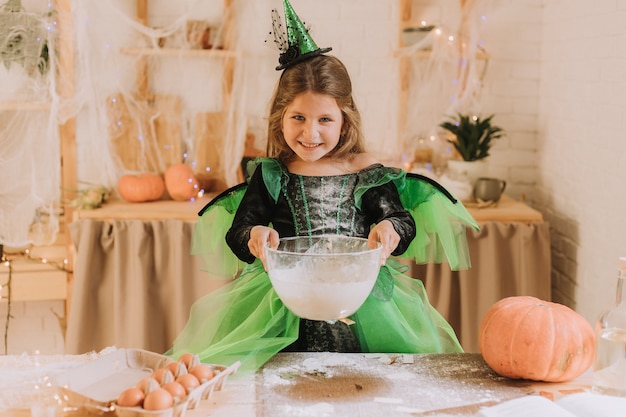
(246, 321)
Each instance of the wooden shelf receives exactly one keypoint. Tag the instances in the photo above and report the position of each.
(153, 210)
(409, 24)
(217, 53)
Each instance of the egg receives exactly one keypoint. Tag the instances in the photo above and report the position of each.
(202, 372)
(159, 399)
(188, 381)
(178, 392)
(177, 368)
(189, 359)
(148, 384)
(131, 397)
(163, 376)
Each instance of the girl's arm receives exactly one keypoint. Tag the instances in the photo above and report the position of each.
(383, 203)
(255, 209)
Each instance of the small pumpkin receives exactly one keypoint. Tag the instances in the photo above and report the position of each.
(181, 183)
(139, 188)
(524, 337)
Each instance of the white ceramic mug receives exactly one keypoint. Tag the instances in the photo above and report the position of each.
(489, 189)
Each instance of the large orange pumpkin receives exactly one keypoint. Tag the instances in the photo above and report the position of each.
(138, 188)
(527, 338)
(181, 183)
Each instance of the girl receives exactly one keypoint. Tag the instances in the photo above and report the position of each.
(317, 179)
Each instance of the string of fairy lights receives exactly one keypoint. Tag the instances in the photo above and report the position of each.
(8, 259)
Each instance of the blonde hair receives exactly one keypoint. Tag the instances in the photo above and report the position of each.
(323, 74)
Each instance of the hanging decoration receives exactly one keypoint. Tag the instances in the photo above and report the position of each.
(446, 68)
(29, 119)
(135, 116)
(23, 38)
(131, 115)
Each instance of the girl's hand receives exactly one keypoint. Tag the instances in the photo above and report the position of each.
(386, 234)
(261, 236)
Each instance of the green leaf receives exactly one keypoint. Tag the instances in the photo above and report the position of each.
(473, 136)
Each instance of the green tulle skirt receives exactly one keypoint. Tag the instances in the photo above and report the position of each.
(246, 321)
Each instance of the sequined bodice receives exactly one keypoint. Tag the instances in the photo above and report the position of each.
(322, 205)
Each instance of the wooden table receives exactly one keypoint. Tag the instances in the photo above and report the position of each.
(507, 210)
(346, 385)
(133, 269)
(318, 384)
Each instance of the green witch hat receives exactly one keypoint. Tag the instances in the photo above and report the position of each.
(297, 45)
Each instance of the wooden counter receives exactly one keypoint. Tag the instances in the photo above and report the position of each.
(507, 210)
(323, 384)
(153, 210)
(346, 385)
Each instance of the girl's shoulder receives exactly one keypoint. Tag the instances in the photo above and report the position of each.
(362, 161)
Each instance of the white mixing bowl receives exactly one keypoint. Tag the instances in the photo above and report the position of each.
(323, 277)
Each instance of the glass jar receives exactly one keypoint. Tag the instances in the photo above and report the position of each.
(609, 370)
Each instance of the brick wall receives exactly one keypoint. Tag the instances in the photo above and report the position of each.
(581, 148)
(512, 36)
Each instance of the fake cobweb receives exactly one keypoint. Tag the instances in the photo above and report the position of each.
(135, 96)
(29, 141)
(445, 72)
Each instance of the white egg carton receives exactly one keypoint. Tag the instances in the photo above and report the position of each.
(203, 392)
(92, 389)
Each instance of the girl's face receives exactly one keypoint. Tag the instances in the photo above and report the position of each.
(312, 125)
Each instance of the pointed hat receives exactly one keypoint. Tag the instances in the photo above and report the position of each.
(299, 44)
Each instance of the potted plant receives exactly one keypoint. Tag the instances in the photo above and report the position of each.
(473, 138)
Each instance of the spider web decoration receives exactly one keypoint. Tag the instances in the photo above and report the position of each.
(22, 38)
(278, 32)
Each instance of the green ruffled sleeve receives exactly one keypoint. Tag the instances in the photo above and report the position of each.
(216, 218)
(441, 219)
(209, 234)
(273, 174)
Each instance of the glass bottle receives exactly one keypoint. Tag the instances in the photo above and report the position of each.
(609, 370)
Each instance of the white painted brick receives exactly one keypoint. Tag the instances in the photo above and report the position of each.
(516, 122)
(498, 68)
(525, 105)
(515, 158)
(526, 70)
(498, 105)
(520, 52)
(530, 32)
(519, 88)
(524, 175)
(524, 141)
